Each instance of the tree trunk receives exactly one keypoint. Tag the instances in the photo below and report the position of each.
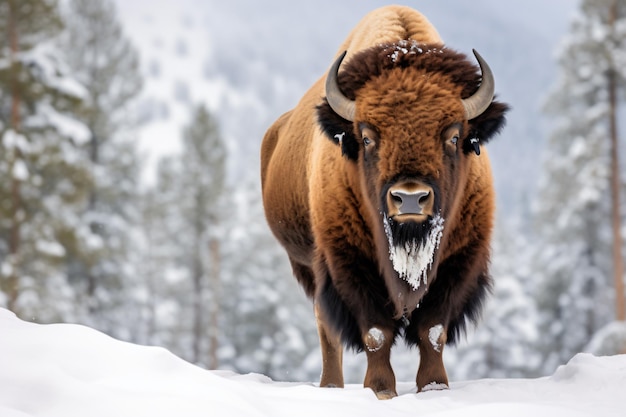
(16, 197)
(618, 261)
(92, 282)
(197, 297)
(216, 289)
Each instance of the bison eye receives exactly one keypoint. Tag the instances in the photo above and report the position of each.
(451, 136)
(368, 136)
(451, 144)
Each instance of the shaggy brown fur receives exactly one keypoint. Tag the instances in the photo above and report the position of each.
(326, 185)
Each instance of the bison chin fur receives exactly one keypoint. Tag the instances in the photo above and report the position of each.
(412, 248)
(402, 234)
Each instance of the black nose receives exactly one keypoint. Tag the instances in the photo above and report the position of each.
(410, 198)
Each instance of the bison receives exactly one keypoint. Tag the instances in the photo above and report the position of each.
(379, 189)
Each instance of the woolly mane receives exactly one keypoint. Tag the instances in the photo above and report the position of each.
(409, 54)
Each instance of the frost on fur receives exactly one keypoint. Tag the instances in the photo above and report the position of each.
(413, 260)
(434, 334)
(374, 339)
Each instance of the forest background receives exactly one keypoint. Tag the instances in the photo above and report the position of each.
(129, 175)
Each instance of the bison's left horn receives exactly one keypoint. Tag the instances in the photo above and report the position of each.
(340, 104)
(478, 103)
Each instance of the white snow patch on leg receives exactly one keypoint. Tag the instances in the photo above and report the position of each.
(374, 339)
(413, 260)
(433, 335)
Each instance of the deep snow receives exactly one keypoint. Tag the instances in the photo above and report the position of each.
(70, 370)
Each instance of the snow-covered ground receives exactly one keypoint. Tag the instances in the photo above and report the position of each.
(70, 370)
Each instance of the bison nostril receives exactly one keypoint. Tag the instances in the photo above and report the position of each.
(396, 198)
(411, 201)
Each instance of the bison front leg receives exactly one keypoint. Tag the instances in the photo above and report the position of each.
(332, 353)
(379, 376)
(431, 373)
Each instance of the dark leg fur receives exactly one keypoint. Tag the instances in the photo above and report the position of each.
(332, 353)
(359, 327)
(453, 300)
(305, 277)
(379, 376)
(339, 317)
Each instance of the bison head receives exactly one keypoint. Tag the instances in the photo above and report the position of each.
(411, 118)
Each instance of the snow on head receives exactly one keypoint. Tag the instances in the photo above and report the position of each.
(413, 259)
(410, 47)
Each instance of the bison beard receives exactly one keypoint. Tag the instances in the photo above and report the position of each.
(412, 247)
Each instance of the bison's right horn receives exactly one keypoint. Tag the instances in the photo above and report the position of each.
(340, 104)
(478, 103)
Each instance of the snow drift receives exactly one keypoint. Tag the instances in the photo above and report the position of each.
(70, 370)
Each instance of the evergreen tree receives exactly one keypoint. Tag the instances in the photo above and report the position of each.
(185, 235)
(107, 65)
(166, 287)
(219, 288)
(575, 293)
(203, 177)
(504, 343)
(42, 177)
(268, 324)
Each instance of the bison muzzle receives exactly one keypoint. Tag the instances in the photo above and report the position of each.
(378, 187)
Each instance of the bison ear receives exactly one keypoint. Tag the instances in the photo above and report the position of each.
(338, 130)
(486, 126)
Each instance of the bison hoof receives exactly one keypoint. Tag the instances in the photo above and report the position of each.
(434, 386)
(386, 394)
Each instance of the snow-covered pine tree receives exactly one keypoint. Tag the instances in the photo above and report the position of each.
(575, 293)
(98, 261)
(263, 321)
(504, 343)
(183, 233)
(202, 202)
(268, 324)
(166, 287)
(43, 178)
